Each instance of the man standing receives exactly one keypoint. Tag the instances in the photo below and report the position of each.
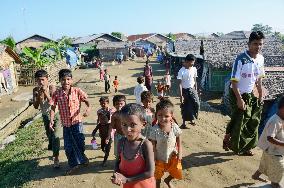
(248, 70)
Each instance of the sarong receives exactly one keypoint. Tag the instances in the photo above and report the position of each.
(243, 127)
(190, 106)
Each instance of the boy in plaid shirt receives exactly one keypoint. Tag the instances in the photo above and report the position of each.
(68, 99)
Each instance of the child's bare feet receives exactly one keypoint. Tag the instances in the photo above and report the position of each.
(72, 170)
(256, 176)
(168, 182)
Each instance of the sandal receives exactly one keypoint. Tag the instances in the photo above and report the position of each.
(247, 153)
(56, 164)
(183, 126)
(72, 170)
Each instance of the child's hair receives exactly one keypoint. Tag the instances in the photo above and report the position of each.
(140, 79)
(281, 103)
(106, 114)
(165, 104)
(256, 35)
(65, 72)
(146, 95)
(115, 77)
(41, 73)
(104, 99)
(118, 98)
(133, 109)
(190, 57)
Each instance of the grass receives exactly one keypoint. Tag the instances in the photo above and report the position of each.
(18, 161)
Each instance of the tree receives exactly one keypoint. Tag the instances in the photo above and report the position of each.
(171, 36)
(117, 34)
(279, 36)
(266, 29)
(36, 57)
(9, 41)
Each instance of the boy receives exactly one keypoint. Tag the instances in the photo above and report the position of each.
(271, 142)
(118, 102)
(139, 89)
(68, 99)
(41, 98)
(104, 102)
(115, 84)
(107, 79)
(103, 127)
(166, 139)
(188, 91)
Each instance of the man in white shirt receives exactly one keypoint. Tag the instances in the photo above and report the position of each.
(139, 89)
(247, 72)
(188, 91)
(271, 142)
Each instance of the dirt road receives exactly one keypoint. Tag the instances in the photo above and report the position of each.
(205, 163)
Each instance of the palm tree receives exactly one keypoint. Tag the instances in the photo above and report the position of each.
(10, 42)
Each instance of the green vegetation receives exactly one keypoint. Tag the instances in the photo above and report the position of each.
(171, 36)
(9, 41)
(117, 34)
(18, 161)
(266, 29)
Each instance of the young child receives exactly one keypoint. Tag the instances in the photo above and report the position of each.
(41, 98)
(118, 102)
(271, 142)
(102, 72)
(139, 89)
(115, 84)
(135, 165)
(104, 103)
(107, 80)
(103, 127)
(68, 99)
(147, 98)
(188, 91)
(160, 90)
(167, 79)
(166, 139)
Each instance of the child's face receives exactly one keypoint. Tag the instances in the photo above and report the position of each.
(131, 126)
(188, 64)
(66, 82)
(42, 81)
(147, 103)
(164, 117)
(104, 104)
(118, 105)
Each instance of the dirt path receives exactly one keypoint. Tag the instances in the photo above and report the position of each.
(205, 163)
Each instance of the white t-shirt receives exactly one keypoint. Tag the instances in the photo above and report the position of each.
(247, 70)
(274, 128)
(137, 92)
(187, 77)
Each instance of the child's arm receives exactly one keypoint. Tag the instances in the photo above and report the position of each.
(275, 141)
(154, 143)
(52, 112)
(36, 98)
(178, 140)
(148, 155)
(112, 126)
(95, 131)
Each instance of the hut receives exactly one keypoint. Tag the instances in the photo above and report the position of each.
(94, 39)
(33, 42)
(110, 50)
(183, 36)
(8, 60)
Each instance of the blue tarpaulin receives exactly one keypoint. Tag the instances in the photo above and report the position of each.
(71, 57)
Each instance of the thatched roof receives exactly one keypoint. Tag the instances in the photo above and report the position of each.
(92, 38)
(113, 45)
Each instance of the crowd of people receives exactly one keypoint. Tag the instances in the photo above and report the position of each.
(150, 138)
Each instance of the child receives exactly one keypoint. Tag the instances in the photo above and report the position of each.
(68, 99)
(147, 98)
(102, 72)
(103, 127)
(139, 89)
(166, 140)
(271, 142)
(118, 102)
(115, 84)
(41, 98)
(104, 102)
(160, 90)
(135, 164)
(188, 91)
(148, 74)
(167, 79)
(107, 79)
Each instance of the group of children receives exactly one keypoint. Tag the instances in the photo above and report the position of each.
(104, 76)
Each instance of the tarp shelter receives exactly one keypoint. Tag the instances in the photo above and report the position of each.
(71, 57)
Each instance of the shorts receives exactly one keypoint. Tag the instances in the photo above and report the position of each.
(173, 167)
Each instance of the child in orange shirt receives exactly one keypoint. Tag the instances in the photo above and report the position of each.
(115, 84)
(160, 90)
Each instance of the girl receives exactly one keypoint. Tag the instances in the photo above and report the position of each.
(147, 98)
(102, 72)
(160, 90)
(166, 140)
(135, 165)
(115, 84)
(167, 78)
